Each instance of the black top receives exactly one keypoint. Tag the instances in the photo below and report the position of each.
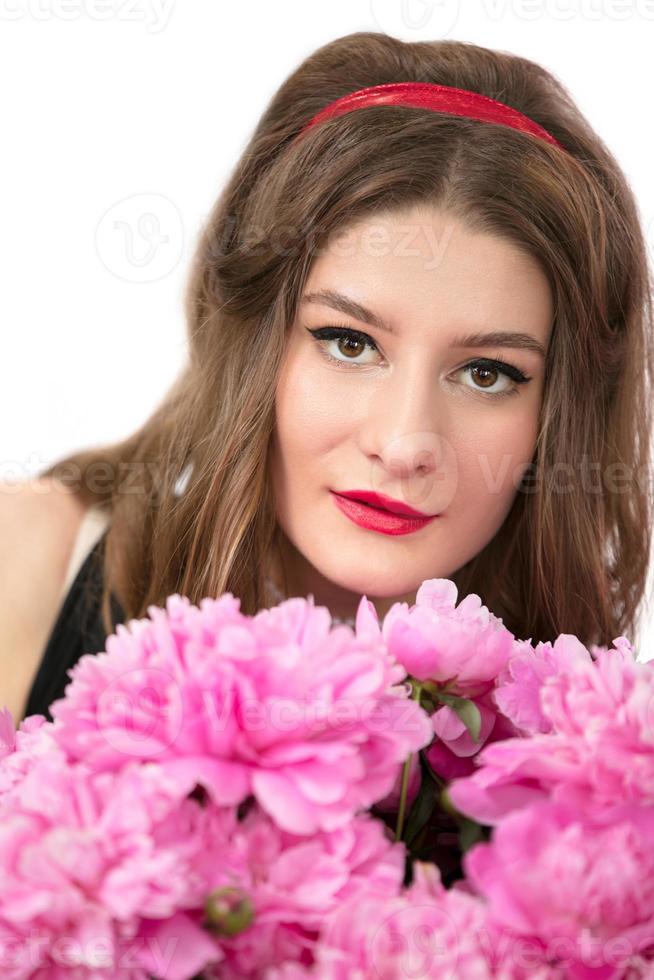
(78, 630)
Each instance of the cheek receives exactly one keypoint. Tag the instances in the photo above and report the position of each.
(493, 458)
(311, 412)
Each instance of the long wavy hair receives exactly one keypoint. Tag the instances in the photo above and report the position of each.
(573, 562)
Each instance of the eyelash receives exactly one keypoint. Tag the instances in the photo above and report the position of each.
(325, 334)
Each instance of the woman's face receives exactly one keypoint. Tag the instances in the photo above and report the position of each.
(411, 413)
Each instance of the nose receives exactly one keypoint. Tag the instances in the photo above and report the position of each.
(410, 455)
(401, 436)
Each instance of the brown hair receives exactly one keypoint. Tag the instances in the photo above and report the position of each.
(573, 561)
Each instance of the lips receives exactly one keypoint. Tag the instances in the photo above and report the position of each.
(382, 502)
(379, 519)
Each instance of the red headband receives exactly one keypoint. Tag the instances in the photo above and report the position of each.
(439, 98)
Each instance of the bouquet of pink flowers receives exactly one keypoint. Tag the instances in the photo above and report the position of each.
(273, 796)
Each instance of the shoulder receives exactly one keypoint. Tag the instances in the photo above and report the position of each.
(39, 521)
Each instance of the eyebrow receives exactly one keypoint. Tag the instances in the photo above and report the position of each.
(495, 338)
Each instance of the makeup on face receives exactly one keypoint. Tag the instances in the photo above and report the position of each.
(363, 508)
(418, 371)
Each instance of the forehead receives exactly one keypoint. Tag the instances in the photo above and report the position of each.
(423, 267)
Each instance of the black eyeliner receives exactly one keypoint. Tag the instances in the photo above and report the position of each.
(337, 333)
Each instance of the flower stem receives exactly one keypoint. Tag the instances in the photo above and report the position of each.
(403, 795)
(404, 786)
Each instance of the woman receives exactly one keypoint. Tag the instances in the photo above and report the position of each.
(330, 307)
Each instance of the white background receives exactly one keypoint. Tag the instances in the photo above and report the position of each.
(121, 120)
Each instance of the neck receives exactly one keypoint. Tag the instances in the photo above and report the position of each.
(295, 576)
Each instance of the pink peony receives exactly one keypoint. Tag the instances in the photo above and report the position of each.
(519, 685)
(453, 753)
(122, 863)
(600, 748)
(461, 647)
(93, 857)
(427, 932)
(294, 883)
(197, 805)
(572, 894)
(310, 720)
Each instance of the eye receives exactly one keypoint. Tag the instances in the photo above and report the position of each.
(346, 341)
(351, 343)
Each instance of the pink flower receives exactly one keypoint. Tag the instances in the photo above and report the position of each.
(600, 748)
(610, 697)
(124, 861)
(511, 774)
(453, 752)
(519, 686)
(198, 802)
(7, 732)
(92, 857)
(25, 748)
(294, 883)
(426, 932)
(577, 894)
(310, 720)
(449, 727)
(447, 764)
(462, 647)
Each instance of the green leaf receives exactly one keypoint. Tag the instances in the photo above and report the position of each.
(422, 808)
(470, 833)
(467, 711)
(446, 804)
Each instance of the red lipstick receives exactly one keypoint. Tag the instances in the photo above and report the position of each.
(377, 512)
(382, 502)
